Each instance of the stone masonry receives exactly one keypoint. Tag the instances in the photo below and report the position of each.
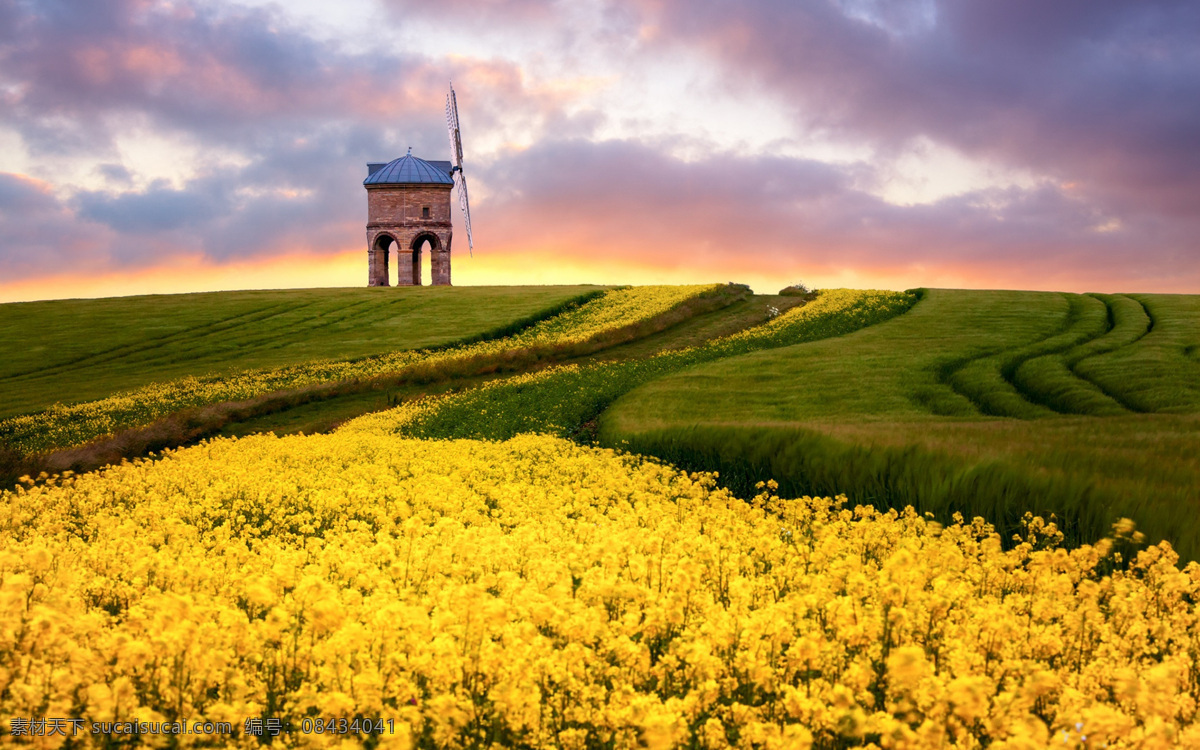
(402, 222)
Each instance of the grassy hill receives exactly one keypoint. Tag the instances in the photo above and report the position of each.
(991, 403)
(78, 350)
(321, 416)
(168, 413)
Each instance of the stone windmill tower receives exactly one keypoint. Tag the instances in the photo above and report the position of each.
(408, 208)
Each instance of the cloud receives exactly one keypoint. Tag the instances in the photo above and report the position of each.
(23, 194)
(117, 174)
(1105, 94)
(79, 71)
(265, 129)
(39, 234)
(619, 203)
(157, 209)
(487, 12)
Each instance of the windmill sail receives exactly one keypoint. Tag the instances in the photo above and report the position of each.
(457, 158)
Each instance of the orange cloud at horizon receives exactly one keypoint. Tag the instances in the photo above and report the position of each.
(195, 274)
(527, 265)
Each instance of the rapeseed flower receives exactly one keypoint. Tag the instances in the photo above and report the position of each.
(534, 592)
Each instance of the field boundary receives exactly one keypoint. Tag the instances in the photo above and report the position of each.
(189, 425)
(806, 462)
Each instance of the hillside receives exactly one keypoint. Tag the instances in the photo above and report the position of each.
(427, 573)
(78, 350)
(987, 403)
(169, 413)
(990, 403)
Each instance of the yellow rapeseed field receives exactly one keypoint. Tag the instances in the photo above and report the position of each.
(535, 593)
(833, 305)
(64, 426)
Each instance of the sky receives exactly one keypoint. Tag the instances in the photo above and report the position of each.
(154, 146)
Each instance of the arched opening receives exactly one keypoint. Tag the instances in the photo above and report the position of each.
(423, 249)
(380, 273)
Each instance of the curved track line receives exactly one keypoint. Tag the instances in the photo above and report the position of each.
(119, 351)
(1007, 369)
(1116, 397)
(1067, 358)
(256, 339)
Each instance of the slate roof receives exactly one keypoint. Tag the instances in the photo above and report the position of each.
(409, 170)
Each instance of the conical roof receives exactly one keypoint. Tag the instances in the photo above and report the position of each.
(409, 170)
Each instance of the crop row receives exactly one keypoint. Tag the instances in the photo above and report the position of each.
(898, 414)
(536, 593)
(68, 425)
(561, 400)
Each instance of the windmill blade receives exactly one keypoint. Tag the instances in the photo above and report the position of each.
(456, 155)
(457, 127)
(461, 182)
(452, 128)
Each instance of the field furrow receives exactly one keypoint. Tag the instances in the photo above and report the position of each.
(1052, 379)
(1050, 382)
(993, 383)
(1154, 372)
(139, 349)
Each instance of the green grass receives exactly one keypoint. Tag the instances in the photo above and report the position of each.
(958, 354)
(1160, 372)
(989, 403)
(904, 368)
(590, 391)
(78, 350)
(564, 401)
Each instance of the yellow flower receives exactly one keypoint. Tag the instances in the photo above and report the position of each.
(534, 592)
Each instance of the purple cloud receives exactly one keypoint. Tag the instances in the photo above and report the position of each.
(630, 203)
(77, 69)
(1100, 101)
(1105, 94)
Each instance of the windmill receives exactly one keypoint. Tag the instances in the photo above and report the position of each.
(456, 158)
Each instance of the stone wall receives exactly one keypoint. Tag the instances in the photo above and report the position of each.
(401, 204)
(394, 213)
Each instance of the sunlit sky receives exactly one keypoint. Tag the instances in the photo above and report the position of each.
(153, 146)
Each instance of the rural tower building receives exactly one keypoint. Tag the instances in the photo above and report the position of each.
(408, 207)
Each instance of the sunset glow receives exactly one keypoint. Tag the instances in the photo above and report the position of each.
(153, 146)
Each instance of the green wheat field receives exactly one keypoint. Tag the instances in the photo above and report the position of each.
(988, 403)
(606, 517)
